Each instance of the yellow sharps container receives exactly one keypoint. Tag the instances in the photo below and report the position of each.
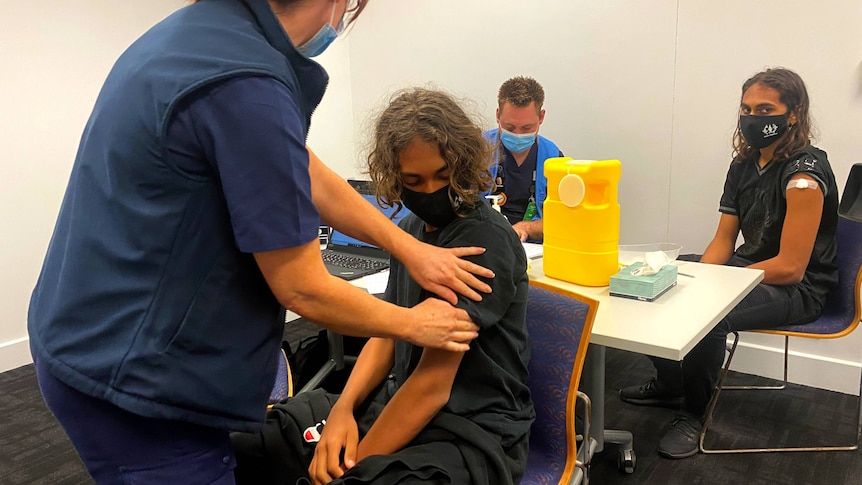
(581, 218)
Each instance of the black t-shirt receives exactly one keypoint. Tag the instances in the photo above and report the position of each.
(758, 198)
(517, 182)
(490, 387)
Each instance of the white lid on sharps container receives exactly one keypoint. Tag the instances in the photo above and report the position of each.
(572, 190)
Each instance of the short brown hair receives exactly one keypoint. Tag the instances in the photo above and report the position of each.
(520, 91)
(435, 117)
(354, 10)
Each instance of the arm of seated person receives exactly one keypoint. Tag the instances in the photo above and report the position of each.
(341, 432)
(417, 401)
(428, 388)
(798, 233)
(720, 249)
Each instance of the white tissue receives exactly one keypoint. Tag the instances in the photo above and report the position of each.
(653, 262)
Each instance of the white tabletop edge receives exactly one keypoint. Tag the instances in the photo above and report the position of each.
(661, 328)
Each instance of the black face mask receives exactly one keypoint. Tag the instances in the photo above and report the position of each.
(762, 131)
(434, 208)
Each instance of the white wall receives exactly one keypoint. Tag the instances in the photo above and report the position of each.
(55, 55)
(654, 84)
(608, 91)
(331, 133)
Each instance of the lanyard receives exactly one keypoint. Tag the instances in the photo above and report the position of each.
(501, 177)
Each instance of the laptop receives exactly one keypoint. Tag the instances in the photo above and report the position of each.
(349, 258)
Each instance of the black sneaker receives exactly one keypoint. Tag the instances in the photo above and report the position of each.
(651, 394)
(681, 440)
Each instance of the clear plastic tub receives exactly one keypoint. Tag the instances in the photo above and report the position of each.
(635, 253)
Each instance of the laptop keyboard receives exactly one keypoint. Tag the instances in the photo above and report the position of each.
(351, 262)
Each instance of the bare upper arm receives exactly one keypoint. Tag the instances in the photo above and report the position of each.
(436, 372)
(801, 223)
(728, 229)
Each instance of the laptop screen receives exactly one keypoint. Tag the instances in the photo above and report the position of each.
(340, 239)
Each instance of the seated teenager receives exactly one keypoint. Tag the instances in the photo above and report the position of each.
(408, 414)
(780, 193)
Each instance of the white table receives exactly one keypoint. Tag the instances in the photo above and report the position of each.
(668, 327)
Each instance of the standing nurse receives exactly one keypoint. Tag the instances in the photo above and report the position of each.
(190, 218)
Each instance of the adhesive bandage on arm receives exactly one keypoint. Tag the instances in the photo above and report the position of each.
(801, 183)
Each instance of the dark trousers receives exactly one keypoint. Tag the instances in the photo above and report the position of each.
(767, 306)
(119, 447)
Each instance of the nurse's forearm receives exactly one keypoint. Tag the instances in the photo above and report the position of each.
(300, 282)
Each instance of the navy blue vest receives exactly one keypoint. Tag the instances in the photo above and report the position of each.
(144, 298)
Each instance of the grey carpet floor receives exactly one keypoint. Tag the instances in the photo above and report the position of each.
(34, 449)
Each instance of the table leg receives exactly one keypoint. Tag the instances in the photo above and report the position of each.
(593, 384)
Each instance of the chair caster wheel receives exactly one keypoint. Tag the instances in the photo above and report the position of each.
(626, 461)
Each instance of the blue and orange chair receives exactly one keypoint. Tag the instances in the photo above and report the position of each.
(559, 323)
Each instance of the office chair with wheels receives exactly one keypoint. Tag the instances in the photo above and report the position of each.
(559, 324)
(841, 314)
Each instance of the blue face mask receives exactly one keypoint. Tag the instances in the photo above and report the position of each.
(517, 143)
(321, 40)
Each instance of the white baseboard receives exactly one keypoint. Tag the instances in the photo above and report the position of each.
(14, 354)
(805, 369)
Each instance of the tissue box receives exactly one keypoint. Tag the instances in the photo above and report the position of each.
(645, 288)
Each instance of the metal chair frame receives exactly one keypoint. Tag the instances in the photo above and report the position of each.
(851, 326)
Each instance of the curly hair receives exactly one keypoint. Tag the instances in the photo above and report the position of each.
(436, 118)
(355, 9)
(520, 91)
(792, 92)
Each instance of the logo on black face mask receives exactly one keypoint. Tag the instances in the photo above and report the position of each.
(759, 131)
(770, 130)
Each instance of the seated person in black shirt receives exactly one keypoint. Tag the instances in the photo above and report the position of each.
(780, 192)
(409, 414)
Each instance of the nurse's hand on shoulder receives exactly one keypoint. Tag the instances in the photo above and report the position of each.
(442, 271)
(438, 324)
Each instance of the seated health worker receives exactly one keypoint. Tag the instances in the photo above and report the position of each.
(190, 218)
(781, 193)
(409, 414)
(520, 155)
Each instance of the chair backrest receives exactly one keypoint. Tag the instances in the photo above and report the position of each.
(559, 324)
(844, 304)
(851, 199)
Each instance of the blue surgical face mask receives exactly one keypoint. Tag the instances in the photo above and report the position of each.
(517, 143)
(321, 40)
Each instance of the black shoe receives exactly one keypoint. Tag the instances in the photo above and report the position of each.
(651, 394)
(681, 440)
